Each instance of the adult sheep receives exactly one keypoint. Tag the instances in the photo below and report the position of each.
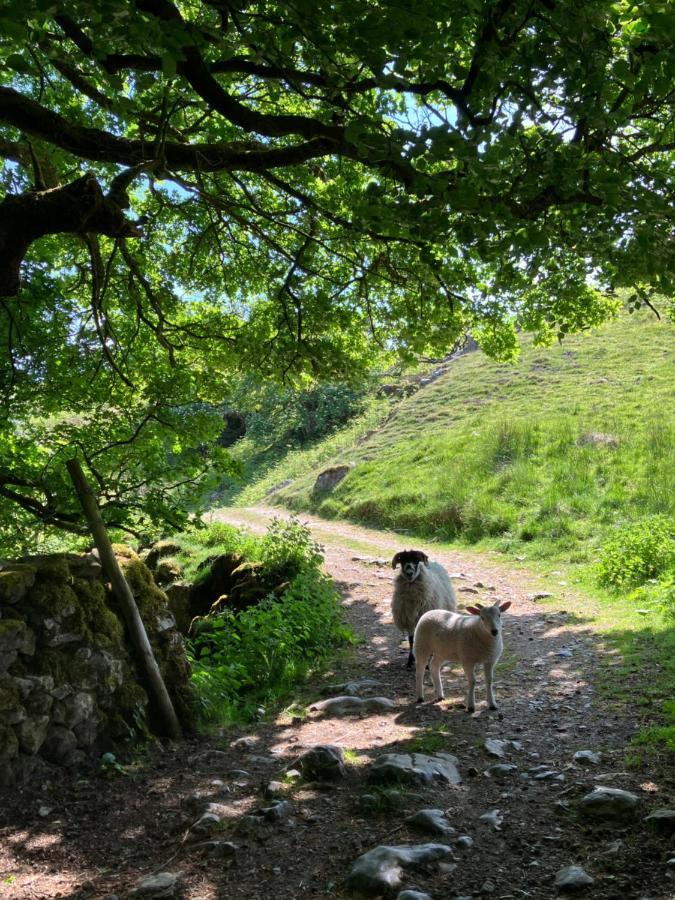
(420, 586)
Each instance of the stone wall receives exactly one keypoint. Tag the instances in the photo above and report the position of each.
(69, 688)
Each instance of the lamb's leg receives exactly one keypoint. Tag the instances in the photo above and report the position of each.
(488, 668)
(411, 655)
(470, 673)
(419, 680)
(436, 676)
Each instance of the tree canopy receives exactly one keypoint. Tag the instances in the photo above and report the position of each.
(201, 188)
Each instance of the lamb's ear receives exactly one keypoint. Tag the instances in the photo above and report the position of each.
(504, 606)
(474, 610)
(396, 560)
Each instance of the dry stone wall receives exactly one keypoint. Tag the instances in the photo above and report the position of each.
(69, 688)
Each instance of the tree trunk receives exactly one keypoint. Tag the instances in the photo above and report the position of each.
(122, 591)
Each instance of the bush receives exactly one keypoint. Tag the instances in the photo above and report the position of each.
(637, 553)
(258, 655)
(289, 549)
(242, 660)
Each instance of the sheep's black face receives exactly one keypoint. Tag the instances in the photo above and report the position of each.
(411, 562)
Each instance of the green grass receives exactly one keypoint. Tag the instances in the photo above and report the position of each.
(545, 461)
(505, 455)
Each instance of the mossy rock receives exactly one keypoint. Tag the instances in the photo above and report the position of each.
(159, 550)
(9, 694)
(167, 571)
(9, 742)
(178, 597)
(15, 581)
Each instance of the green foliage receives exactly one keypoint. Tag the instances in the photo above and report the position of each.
(258, 655)
(288, 547)
(292, 417)
(254, 657)
(638, 552)
(292, 201)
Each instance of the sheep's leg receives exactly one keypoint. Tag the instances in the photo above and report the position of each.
(436, 662)
(489, 668)
(411, 655)
(469, 671)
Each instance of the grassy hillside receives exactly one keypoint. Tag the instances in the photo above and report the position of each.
(564, 462)
(543, 457)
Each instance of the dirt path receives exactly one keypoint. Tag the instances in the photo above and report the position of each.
(100, 836)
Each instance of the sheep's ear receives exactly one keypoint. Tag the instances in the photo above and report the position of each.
(395, 561)
(504, 606)
(425, 558)
(474, 610)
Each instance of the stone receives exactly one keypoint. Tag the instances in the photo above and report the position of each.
(58, 743)
(354, 688)
(16, 579)
(662, 820)
(164, 884)
(572, 879)
(587, 758)
(539, 595)
(415, 768)
(488, 887)
(500, 771)
(609, 805)
(496, 747)
(274, 789)
(86, 732)
(347, 706)
(32, 732)
(464, 842)
(16, 637)
(494, 818)
(324, 762)
(413, 895)
(431, 821)
(379, 871)
(168, 570)
(329, 479)
(74, 709)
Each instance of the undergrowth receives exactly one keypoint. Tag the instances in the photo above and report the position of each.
(243, 662)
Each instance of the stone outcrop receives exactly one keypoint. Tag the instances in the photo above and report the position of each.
(69, 687)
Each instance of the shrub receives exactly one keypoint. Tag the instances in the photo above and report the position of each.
(289, 549)
(638, 552)
(257, 655)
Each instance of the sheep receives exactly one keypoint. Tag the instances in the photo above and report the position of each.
(468, 640)
(419, 587)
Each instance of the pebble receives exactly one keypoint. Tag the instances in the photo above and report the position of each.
(587, 758)
(494, 818)
(572, 879)
(464, 842)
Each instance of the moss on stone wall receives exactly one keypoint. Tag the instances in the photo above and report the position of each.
(83, 657)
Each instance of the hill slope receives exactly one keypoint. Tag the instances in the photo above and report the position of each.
(553, 451)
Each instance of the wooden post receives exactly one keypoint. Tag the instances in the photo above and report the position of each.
(126, 600)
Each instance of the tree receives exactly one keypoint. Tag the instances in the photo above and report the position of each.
(200, 188)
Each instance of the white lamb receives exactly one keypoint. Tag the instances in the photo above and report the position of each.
(469, 640)
(419, 587)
